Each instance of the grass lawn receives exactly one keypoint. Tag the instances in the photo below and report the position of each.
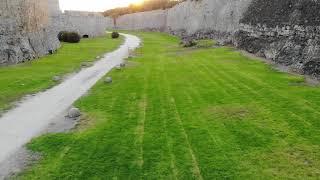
(179, 113)
(19, 80)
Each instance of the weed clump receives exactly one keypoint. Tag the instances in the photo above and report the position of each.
(188, 43)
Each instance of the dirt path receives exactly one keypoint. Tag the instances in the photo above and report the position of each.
(34, 115)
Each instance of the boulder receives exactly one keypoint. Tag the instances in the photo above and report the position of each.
(86, 64)
(108, 80)
(118, 67)
(188, 43)
(56, 78)
(74, 113)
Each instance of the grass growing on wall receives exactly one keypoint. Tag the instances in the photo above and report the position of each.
(178, 113)
(19, 80)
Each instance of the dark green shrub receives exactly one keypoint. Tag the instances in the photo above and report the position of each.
(115, 35)
(71, 37)
(61, 34)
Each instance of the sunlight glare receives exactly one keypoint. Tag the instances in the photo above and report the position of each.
(96, 5)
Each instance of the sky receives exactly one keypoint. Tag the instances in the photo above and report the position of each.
(94, 5)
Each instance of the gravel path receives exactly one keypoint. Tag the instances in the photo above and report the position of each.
(32, 116)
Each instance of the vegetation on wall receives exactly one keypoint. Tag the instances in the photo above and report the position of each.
(147, 5)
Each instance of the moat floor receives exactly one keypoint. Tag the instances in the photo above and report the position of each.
(199, 113)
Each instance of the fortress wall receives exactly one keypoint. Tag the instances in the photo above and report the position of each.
(85, 23)
(151, 20)
(285, 31)
(24, 33)
(29, 28)
(206, 18)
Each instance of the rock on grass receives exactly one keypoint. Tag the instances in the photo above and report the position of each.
(56, 78)
(108, 80)
(74, 113)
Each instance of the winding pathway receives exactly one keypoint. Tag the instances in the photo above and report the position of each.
(33, 116)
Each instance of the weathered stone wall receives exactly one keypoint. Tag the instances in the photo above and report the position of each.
(204, 18)
(29, 28)
(285, 31)
(151, 20)
(24, 33)
(217, 19)
(85, 23)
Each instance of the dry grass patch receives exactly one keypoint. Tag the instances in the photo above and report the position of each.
(235, 112)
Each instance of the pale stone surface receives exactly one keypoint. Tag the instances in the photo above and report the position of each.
(152, 20)
(24, 30)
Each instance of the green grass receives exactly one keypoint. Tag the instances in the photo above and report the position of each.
(27, 78)
(189, 114)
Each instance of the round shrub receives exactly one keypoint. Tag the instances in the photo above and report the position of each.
(71, 37)
(115, 35)
(61, 35)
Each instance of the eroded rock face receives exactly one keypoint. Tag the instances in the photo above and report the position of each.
(285, 31)
(24, 33)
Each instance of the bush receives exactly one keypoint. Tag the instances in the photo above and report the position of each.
(115, 35)
(71, 37)
(61, 34)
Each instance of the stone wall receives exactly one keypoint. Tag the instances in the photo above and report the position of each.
(203, 18)
(217, 19)
(29, 28)
(24, 32)
(85, 23)
(285, 31)
(151, 20)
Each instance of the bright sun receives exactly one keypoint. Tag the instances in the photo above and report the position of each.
(136, 2)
